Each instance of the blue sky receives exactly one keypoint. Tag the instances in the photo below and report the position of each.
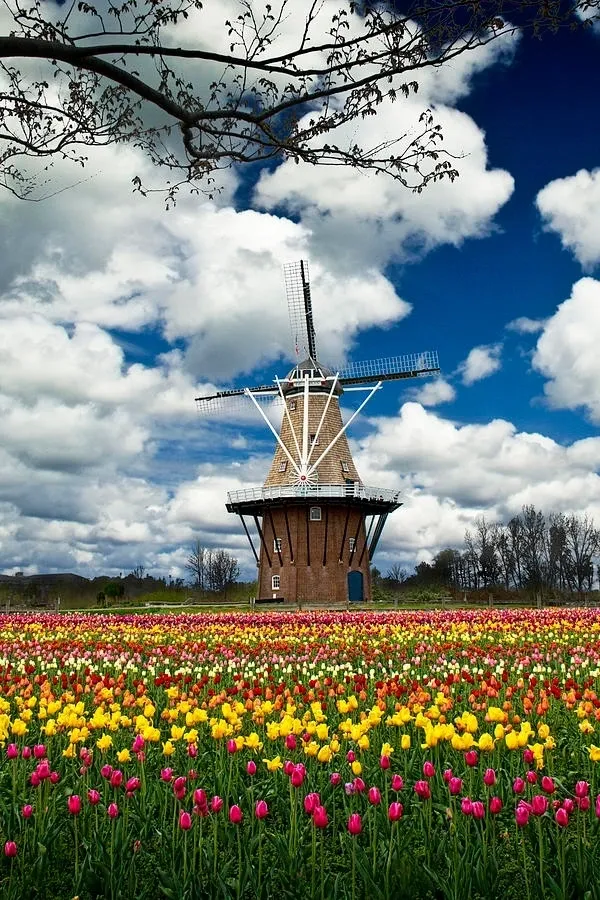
(116, 314)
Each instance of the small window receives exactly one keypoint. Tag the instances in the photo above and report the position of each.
(277, 545)
(345, 466)
(314, 440)
(351, 543)
(292, 405)
(275, 582)
(315, 514)
(283, 465)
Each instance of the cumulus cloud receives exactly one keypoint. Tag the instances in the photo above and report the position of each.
(567, 351)
(481, 363)
(571, 208)
(525, 325)
(434, 392)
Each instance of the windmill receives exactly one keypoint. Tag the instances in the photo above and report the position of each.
(317, 524)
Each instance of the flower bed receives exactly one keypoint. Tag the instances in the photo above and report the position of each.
(300, 755)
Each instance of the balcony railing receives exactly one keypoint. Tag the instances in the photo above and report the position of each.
(292, 491)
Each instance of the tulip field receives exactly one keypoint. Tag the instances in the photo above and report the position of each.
(449, 754)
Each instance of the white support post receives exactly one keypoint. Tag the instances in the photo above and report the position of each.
(248, 393)
(287, 415)
(341, 432)
(304, 456)
(325, 408)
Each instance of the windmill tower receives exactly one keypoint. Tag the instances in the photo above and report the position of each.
(317, 524)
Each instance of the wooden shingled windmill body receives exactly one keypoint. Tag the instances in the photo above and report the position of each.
(317, 524)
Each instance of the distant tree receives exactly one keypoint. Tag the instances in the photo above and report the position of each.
(396, 575)
(114, 590)
(117, 72)
(196, 564)
(222, 570)
(139, 572)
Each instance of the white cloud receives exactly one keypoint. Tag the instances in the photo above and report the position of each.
(571, 208)
(567, 351)
(434, 392)
(525, 325)
(481, 363)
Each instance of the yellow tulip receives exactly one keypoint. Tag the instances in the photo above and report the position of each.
(273, 764)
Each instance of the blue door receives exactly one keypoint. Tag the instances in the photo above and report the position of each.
(355, 586)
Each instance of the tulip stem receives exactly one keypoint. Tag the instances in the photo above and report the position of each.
(525, 866)
(354, 868)
(239, 878)
(313, 860)
(322, 867)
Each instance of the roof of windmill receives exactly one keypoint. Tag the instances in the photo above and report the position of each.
(317, 371)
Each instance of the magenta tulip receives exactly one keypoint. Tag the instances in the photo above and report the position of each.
(397, 782)
(489, 777)
(374, 796)
(562, 817)
(428, 769)
(395, 811)
(539, 805)
(355, 824)
(112, 811)
(455, 785)
(495, 805)
(74, 804)
(261, 810)
(548, 785)
(10, 848)
(235, 814)
(93, 797)
(319, 817)
(185, 820)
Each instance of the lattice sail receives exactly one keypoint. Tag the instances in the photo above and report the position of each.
(227, 402)
(297, 289)
(392, 367)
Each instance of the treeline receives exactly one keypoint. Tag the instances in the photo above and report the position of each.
(212, 570)
(535, 552)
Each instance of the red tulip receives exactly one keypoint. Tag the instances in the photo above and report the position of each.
(428, 769)
(359, 785)
(397, 782)
(384, 762)
(235, 814)
(39, 751)
(185, 820)
(569, 805)
(583, 803)
(216, 804)
(112, 811)
(297, 777)
(471, 758)
(27, 811)
(562, 817)
(518, 785)
(251, 767)
(447, 775)
(478, 810)
(261, 810)
(422, 790)
(10, 848)
(26, 752)
(319, 817)
(335, 778)
(395, 812)
(598, 806)
(532, 777)
(12, 751)
(232, 746)
(350, 756)
(93, 797)
(548, 785)
(455, 785)
(528, 756)
(495, 805)
(116, 778)
(291, 742)
(582, 789)
(539, 805)
(466, 806)
(106, 771)
(311, 801)
(166, 774)
(374, 796)
(521, 816)
(489, 777)
(355, 824)
(74, 804)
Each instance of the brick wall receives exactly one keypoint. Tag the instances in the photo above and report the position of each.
(310, 566)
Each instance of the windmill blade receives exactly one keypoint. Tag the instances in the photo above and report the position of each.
(225, 401)
(393, 367)
(297, 289)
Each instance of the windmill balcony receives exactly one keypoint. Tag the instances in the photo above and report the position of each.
(356, 491)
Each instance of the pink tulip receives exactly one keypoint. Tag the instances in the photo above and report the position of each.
(447, 776)
(74, 804)
(39, 751)
(43, 770)
(216, 804)
(335, 778)
(290, 742)
(359, 785)
(54, 777)
(27, 811)
(395, 812)
(539, 805)
(106, 771)
(562, 817)
(489, 777)
(235, 814)
(200, 797)
(583, 803)
(34, 779)
(355, 824)
(192, 751)
(251, 767)
(374, 796)
(166, 775)
(288, 768)
(598, 806)
(138, 743)
(26, 752)
(10, 848)
(582, 789)
(297, 777)
(133, 784)
(466, 806)
(548, 785)
(532, 777)
(12, 751)
(455, 785)
(93, 797)
(569, 805)
(397, 782)
(518, 785)
(116, 778)
(428, 769)
(495, 805)
(185, 820)
(471, 758)
(112, 811)
(231, 746)
(422, 790)
(319, 817)
(478, 810)
(384, 762)
(521, 816)
(350, 756)
(261, 810)
(311, 801)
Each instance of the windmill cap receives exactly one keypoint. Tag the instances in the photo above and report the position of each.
(316, 371)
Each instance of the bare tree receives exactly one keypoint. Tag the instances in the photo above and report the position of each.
(582, 539)
(196, 564)
(88, 73)
(222, 570)
(396, 575)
